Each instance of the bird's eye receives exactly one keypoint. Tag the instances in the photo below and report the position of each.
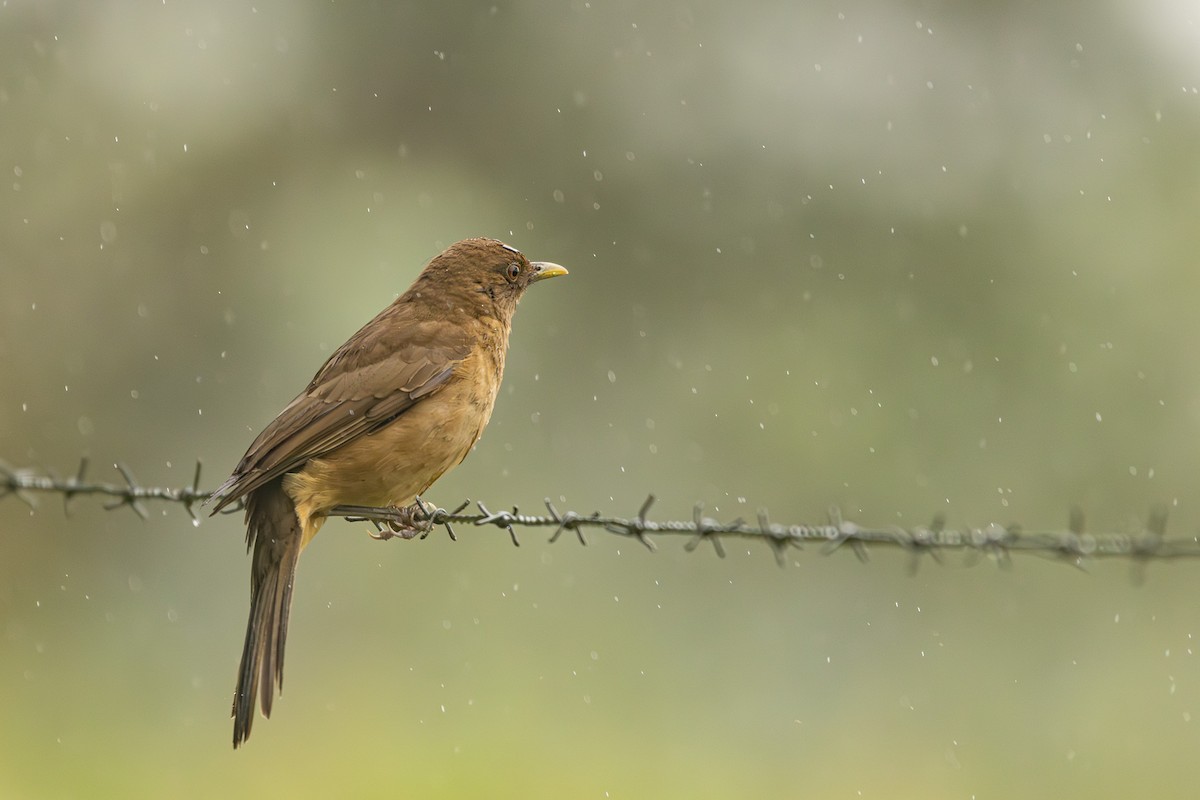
(512, 271)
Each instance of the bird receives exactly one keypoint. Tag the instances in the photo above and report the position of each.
(393, 409)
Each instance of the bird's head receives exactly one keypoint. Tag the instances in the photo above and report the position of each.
(483, 273)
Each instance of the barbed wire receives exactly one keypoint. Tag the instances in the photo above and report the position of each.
(998, 542)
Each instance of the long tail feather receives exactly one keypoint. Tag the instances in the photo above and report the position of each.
(273, 531)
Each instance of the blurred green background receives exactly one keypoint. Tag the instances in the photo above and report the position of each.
(905, 258)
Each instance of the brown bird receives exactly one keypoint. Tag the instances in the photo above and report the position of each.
(391, 411)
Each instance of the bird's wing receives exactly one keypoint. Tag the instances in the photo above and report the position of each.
(382, 371)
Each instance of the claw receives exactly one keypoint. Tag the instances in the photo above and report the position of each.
(408, 522)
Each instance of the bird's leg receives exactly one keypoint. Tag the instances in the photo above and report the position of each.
(410, 522)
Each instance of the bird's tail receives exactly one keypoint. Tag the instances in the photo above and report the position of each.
(273, 530)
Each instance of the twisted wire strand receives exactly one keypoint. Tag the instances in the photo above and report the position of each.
(999, 542)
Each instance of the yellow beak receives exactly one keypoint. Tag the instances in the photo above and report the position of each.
(545, 269)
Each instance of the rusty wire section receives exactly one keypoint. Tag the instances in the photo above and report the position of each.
(998, 542)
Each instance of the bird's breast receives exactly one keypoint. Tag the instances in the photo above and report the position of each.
(396, 463)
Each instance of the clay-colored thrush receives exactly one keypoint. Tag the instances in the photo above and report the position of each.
(392, 410)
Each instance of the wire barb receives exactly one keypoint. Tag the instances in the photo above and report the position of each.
(501, 519)
(636, 527)
(706, 528)
(72, 485)
(567, 521)
(1074, 545)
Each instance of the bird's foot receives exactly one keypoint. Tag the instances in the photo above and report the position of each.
(410, 522)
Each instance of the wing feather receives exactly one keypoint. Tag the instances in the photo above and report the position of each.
(381, 372)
